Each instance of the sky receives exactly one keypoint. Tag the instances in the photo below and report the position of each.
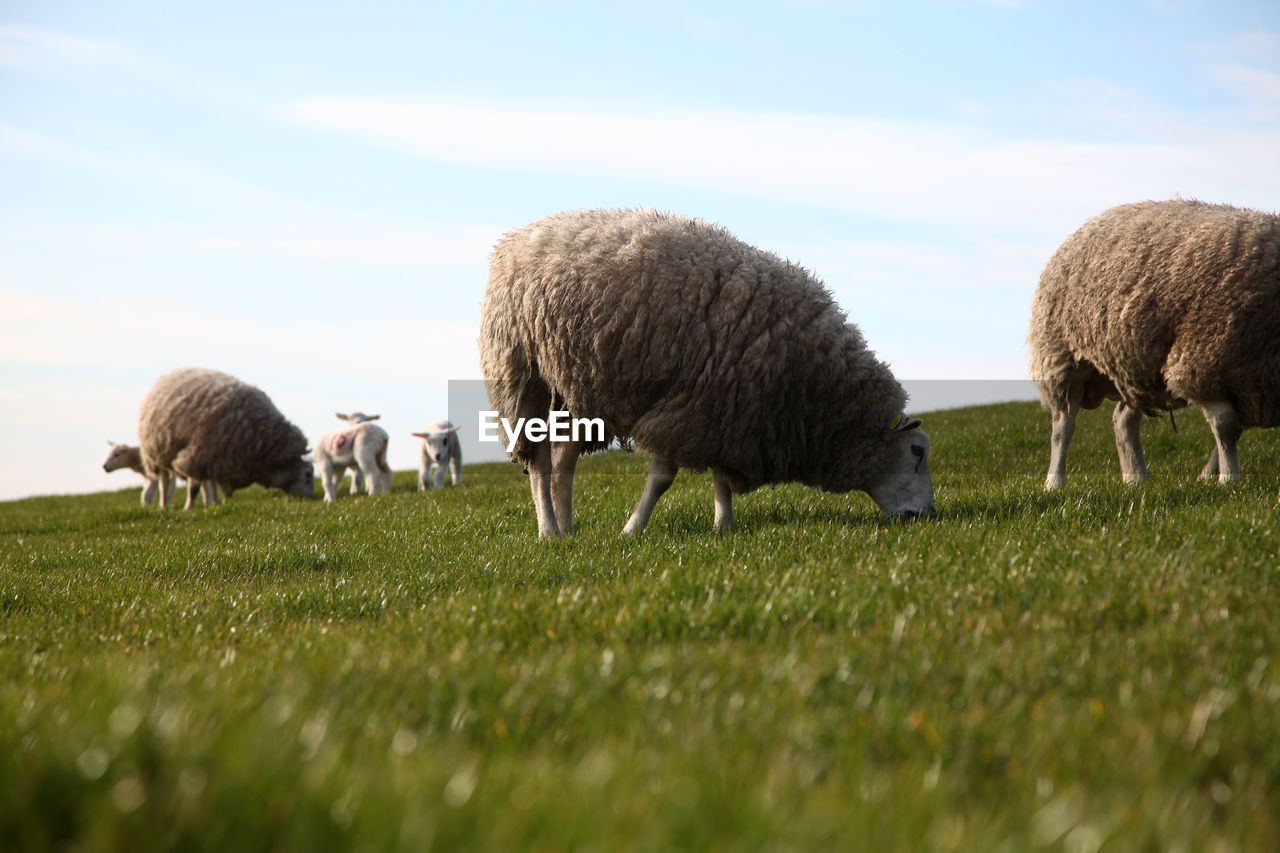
(305, 195)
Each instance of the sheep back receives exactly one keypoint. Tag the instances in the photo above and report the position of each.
(207, 425)
(704, 349)
(1172, 301)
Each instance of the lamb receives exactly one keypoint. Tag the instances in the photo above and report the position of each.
(703, 350)
(362, 446)
(1161, 305)
(440, 447)
(357, 476)
(212, 428)
(130, 456)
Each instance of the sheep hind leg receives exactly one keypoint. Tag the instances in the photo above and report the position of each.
(540, 485)
(1210, 470)
(1225, 424)
(1127, 422)
(1064, 426)
(724, 503)
(165, 479)
(662, 472)
(564, 461)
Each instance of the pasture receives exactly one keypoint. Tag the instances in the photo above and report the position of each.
(1090, 669)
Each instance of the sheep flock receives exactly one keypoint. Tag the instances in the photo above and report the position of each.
(706, 353)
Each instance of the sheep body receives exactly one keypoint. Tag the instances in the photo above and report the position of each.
(362, 446)
(1160, 305)
(706, 351)
(440, 448)
(353, 418)
(210, 427)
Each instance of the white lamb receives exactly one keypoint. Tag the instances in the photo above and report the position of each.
(357, 476)
(130, 456)
(440, 447)
(362, 446)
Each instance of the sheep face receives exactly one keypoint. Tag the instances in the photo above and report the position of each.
(117, 458)
(435, 444)
(906, 489)
(299, 479)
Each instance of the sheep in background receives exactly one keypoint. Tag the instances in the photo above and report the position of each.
(1160, 305)
(440, 447)
(357, 476)
(130, 456)
(362, 446)
(706, 351)
(209, 427)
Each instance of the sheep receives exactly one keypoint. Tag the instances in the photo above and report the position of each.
(209, 427)
(1160, 305)
(704, 351)
(440, 447)
(130, 456)
(357, 476)
(362, 446)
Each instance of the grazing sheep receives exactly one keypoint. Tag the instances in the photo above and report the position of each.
(1160, 305)
(706, 351)
(130, 456)
(209, 427)
(440, 447)
(357, 476)
(362, 446)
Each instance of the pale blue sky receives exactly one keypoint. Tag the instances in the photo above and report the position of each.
(305, 194)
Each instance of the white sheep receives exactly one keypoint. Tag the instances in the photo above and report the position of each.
(440, 448)
(357, 476)
(708, 352)
(130, 456)
(1160, 305)
(362, 446)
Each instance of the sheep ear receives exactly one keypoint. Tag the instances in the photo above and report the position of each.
(452, 430)
(419, 434)
(902, 423)
(340, 416)
(307, 457)
(372, 417)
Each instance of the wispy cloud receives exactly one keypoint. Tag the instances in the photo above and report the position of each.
(909, 171)
(34, 49)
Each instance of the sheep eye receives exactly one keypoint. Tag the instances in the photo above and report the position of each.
(918, 451)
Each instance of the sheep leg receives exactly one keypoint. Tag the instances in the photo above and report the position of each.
(193, 487)
(209, 491)
(424, 478)
(1064, 426)
(1127, 422)
(330, 477)
(165, 479)
(662, 472)
(724, 503)
(1225, 424)
(357, 481)
(564, 460)
(455, 467)
(149, 491)
(440, 472)
(1210, 471)
(540, 484)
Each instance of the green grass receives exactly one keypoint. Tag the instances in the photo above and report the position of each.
(1093, 668)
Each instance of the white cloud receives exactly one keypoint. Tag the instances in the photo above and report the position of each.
(126, 333)
(908, 171)
(32, 49)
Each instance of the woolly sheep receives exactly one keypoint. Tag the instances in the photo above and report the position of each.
(207, 426)
(357, 476)
(362, 446)
(707, 352)
(440, 447)
(1160, 305)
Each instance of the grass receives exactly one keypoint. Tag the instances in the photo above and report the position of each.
(1095, 668)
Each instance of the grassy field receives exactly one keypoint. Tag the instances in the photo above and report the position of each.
(1091, 669)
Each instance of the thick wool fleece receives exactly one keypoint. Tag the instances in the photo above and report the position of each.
(208, 426)
(705, 350)
(1172, 302)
